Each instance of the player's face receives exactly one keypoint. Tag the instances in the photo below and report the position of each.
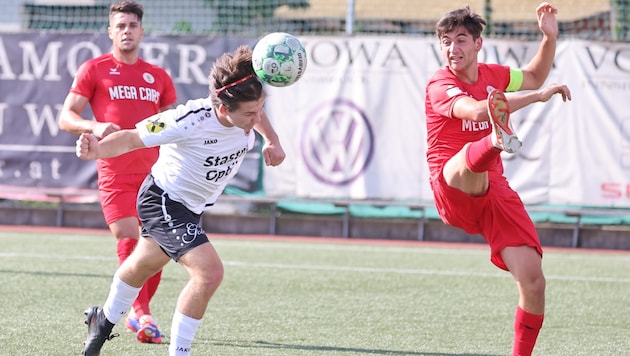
(125, 31)
(460, 49)
(247, 115)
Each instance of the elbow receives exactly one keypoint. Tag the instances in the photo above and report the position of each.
(534, 79)
(62, 122)
(66, 124)
(532, 83)
(538, 83)
(481, 113)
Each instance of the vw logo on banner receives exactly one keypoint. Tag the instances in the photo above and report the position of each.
(337, 142)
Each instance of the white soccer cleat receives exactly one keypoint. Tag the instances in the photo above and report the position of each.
(503, 135)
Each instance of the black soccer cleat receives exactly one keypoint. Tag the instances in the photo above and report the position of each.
(99, 331)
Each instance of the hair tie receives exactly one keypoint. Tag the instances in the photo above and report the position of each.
(228, 86)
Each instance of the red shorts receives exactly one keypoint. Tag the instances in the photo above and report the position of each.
(119, 194)
(499, 215)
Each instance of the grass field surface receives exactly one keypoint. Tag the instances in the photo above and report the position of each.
(301, 296)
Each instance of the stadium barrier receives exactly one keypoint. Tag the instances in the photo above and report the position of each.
(574, 217)
(59, 196)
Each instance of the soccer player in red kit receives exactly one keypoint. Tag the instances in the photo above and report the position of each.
(467, 129)
(122, 89)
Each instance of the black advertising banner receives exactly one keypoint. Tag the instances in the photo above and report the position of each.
(36, 71)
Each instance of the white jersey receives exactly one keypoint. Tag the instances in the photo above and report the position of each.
(198, 155)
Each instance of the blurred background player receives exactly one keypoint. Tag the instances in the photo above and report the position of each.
(122, 89)
(190, 174)
(467, 129)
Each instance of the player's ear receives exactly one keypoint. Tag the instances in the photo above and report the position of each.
(478, 44)
(223, 109)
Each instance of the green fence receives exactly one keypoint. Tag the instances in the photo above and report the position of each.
(587, 19)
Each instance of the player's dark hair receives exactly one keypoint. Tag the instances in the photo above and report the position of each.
(127, 7)
(232, 79)
(464, 17)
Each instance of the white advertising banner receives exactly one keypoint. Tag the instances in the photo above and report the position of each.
(353, 126)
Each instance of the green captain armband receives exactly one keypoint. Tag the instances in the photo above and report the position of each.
(516, 80)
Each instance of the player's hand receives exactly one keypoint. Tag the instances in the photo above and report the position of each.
(547, 92)
(87, 146)
(102, 129)
(547, 22)
(273, 154)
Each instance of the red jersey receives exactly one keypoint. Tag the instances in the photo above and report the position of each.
(124, 94)
(446, 135)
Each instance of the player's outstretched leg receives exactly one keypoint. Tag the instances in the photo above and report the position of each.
(99, 330)
(503, 135)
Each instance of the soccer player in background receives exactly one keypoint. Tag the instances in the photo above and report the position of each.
(202, 145)
(122, 89)
(467, 129)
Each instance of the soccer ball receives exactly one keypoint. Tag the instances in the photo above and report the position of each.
(279, 59)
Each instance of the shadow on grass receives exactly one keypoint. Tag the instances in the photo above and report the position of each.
(321, 348)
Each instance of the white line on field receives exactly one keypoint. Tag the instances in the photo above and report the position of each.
(428, 272)
(414, 271)
(354, 248)
(57, 257)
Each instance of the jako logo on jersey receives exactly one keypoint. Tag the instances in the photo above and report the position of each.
(210, 142)
(148, 77)
(337, 142)
(156, 125)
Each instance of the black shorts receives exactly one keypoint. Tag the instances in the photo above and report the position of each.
(173, 226)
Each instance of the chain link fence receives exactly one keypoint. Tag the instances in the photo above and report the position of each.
(606, 20)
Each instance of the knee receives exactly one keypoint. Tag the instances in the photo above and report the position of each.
(213, 277)
(539, 285)
(217, 276)
(535, 286)
(121, 234)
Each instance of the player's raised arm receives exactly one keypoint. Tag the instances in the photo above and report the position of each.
(536, 71)
(89, 147)
(273, 153)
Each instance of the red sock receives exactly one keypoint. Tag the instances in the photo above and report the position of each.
(124, 248)
(153, 284)
(141, 304)
(481, 155)
(526, 328)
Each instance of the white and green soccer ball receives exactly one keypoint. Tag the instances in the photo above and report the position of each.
(279, 59)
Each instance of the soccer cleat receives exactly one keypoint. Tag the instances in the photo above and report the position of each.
(148, 332)
(99, 331)
(503, 136)
(132, 324)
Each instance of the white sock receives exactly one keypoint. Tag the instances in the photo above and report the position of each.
(183, 330)
(121, 296)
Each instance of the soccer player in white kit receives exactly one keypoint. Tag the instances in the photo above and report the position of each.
(202, 145)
